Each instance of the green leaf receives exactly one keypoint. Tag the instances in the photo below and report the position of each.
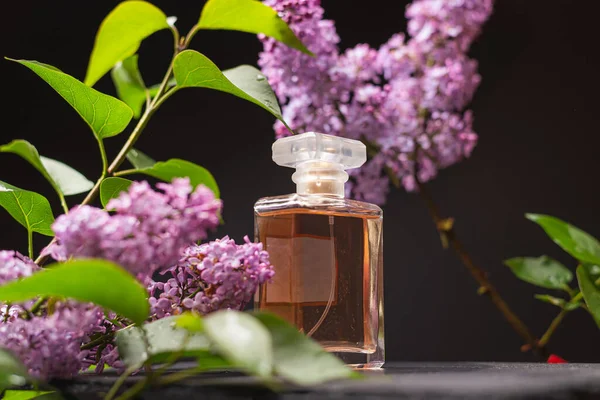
(139, 160)
(542, 271)
(252, 82)
(591, 293)
(248, 16)
(12, 371)
(164, 340)
(111, 188)
(242, 340)
(573, 240)
(106, 115)
(121, 34)
(558, 302)
(210, 362)
(298, 358)
(63, 178)
(193, 69)
(190, 322)
(30, 209)
(206, 361)
(129, 84)
(69, 181)
(176, 168)
(98, 281)
(30, 395)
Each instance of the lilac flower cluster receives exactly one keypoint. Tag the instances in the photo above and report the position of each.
(406, 99)
(148, 229)
(48, 344)
(212, 276)
(14, 265)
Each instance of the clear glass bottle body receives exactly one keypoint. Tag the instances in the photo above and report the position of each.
(327, 254)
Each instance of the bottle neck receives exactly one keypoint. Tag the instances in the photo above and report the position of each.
(320, 177)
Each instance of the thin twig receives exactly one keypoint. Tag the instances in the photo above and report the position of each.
(30, 242)
(179, 375)
(135, 134)
(552, 328)
(97, 341)
(118, 383)
(448, 235)
(8, 305)
(63, 202)
(126, 172)
(576, 297)
(38, 304)
(135, 390)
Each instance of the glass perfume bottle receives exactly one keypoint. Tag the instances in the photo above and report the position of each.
(326, 250)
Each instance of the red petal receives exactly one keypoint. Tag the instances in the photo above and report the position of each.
(554, 359)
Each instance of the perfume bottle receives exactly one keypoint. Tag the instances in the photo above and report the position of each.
(326, 250)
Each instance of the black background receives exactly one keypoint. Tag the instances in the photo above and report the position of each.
(536, 112)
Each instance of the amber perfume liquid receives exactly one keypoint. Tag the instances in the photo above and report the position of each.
(327, 254)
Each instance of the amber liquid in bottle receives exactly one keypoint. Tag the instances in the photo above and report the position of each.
(327, 255)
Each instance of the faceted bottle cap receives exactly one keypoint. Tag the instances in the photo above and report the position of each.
(320, 161)
(294, 150)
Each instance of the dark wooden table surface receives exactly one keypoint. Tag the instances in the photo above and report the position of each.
(462, 380)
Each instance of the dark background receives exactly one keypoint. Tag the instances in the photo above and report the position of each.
(536, 112)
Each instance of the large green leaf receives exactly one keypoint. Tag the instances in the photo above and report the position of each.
(31, 395)
(111, 188)
(298, 358)
(98, 281)
(193, 69)
(63, 178)
(573, 240)
(242, 340)
(30, 209)
(252, 82)
(248, 16)
(591, 292)
(176, 168)
(69, 181)
(139, 160)
(12, 371)
(129, 84)
(106, 115)
(164, 340)
(120, 35)
(542, 271)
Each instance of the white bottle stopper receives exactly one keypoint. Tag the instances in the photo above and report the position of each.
(320, 161)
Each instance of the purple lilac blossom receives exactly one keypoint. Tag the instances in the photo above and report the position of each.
(14, 265)
(147, 231)
(292, 73)
(406, 99)
(212, 276)
(49, 346)
(452, 21)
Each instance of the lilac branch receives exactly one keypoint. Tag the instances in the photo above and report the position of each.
(447, 232)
